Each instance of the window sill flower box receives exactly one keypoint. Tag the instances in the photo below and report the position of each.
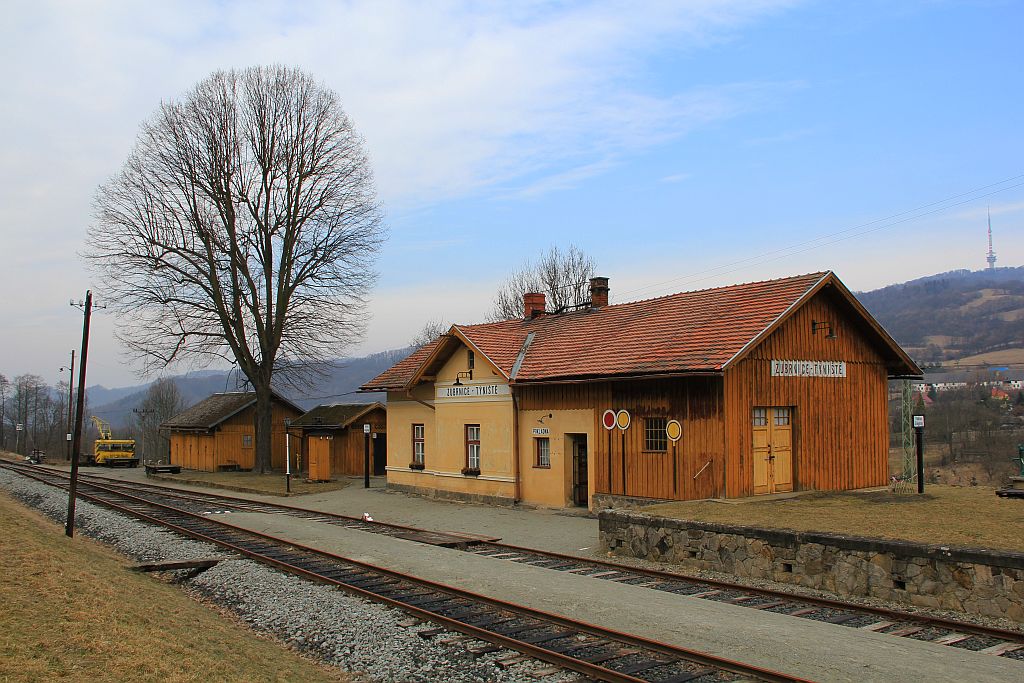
(471, 471)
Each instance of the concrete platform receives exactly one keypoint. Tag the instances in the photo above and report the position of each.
(814, 650)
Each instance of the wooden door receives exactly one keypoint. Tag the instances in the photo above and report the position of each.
(773, 449)
(320, 458)
(379, 448)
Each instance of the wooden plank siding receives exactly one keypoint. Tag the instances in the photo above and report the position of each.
(695, 402)
(840, 431)
(206, 451)
(347, 445)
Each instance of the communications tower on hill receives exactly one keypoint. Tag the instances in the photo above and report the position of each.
(991, 258)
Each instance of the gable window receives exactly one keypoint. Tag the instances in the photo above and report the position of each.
(473, 447)
(418, 444)
(470, 359)
(655, 438)
(543, 451)
(246, 440)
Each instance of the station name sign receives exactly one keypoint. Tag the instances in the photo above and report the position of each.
(808, 368)
(472, 391)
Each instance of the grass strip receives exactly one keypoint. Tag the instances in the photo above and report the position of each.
(944, 515)
(73, 611)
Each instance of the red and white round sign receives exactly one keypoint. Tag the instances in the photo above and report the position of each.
(608, 419)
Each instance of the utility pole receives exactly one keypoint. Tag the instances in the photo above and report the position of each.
(69, 528)
(71, 402)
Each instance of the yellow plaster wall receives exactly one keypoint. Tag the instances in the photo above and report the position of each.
(429, 481)
(403, 413)
(445, 434)
(553, 486)
(483, 371)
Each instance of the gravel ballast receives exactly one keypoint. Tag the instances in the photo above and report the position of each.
(356, 635)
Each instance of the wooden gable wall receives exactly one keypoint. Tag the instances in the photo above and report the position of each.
(840, 430)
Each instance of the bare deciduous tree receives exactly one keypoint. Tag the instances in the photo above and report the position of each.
(432, 329)
(243, 227)
(563, 277)
(162, 402)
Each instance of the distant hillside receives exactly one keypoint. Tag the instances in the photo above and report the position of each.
(954, 315)
(339, 386)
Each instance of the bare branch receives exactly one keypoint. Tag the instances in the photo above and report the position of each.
(563, 277)
(243, 226)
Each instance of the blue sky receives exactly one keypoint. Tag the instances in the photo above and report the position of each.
(683, 145)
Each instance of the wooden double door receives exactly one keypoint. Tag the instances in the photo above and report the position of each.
(773, 449)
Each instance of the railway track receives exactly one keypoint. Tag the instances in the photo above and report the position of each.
(951, 633)
(596, 652)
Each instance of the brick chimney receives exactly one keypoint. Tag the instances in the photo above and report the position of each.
(533, 304)
(598, 292)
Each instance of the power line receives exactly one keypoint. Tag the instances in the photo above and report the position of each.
(843, 235)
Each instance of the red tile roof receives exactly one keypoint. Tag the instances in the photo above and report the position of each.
(696, 331)
(687, 332)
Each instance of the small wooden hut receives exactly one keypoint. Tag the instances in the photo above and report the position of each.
(219, 433)
(333, 442)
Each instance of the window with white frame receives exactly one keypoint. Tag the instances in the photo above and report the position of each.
(473, 447)
(543, 452)
(418, 444)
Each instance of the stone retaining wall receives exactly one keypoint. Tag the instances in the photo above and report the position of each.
(984, 582)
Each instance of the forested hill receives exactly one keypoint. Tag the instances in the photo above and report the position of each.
(953, 315)
(339, 385)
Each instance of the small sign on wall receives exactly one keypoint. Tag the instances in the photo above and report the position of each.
(541, 431)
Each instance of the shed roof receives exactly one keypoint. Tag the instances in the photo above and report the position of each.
(335, 416)
(703, 331)
(217, 408)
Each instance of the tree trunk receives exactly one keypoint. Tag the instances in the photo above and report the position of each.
(264, 426)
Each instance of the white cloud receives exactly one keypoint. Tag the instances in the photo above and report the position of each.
(453, 98)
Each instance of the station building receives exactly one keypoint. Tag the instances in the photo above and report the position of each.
(219, 432)
(728, 392)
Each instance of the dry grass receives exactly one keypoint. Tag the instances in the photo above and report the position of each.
(946, 515)
(72, 611)
(1006, 356)
(250, 482)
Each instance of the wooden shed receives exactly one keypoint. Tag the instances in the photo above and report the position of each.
(219, 432)
(728, 392)
(335, 432)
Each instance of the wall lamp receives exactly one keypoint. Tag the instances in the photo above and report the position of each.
(468, 374)
(545, 417)
(817, 325)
